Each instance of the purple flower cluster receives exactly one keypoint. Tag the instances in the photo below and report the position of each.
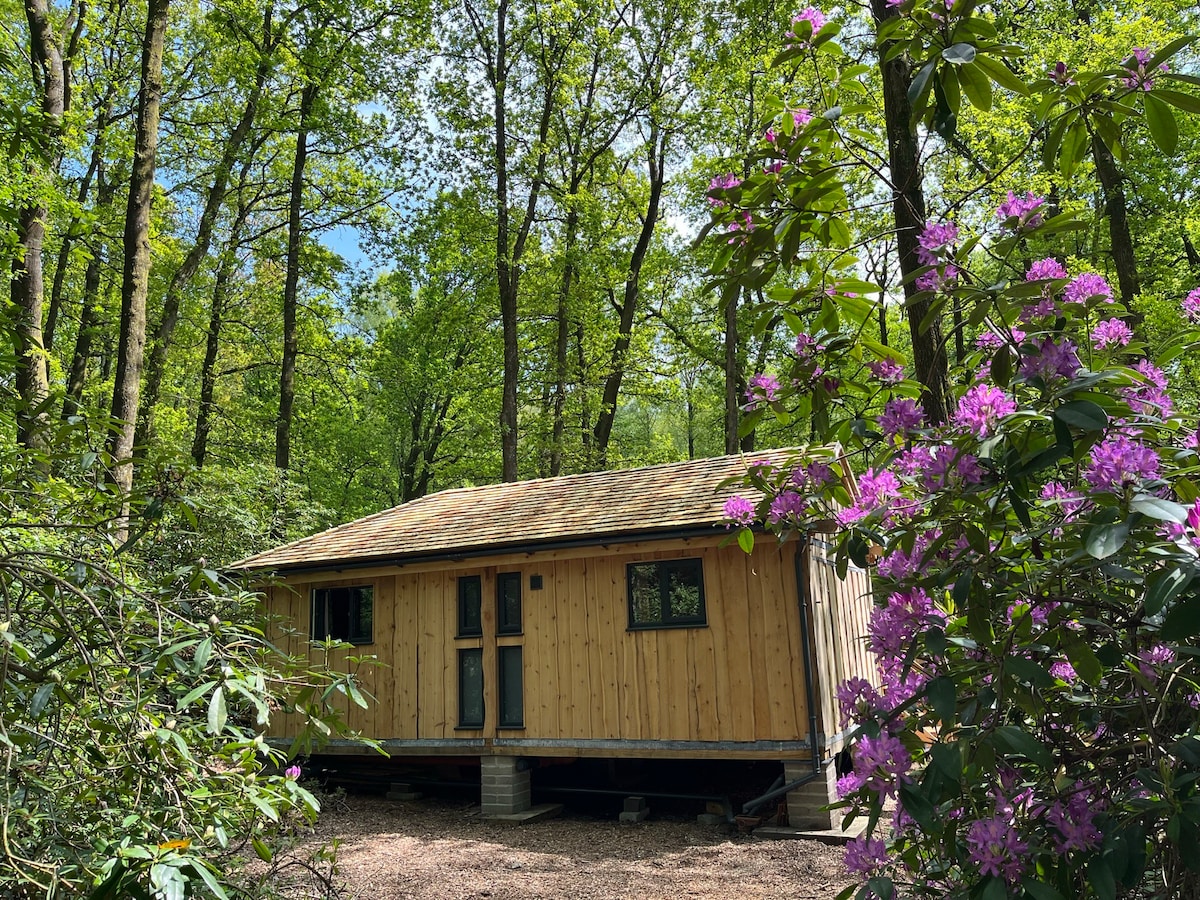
(1149, 398)
(981, 407)
(1149, 661)
(1050, 360)
(866, 855)
(1021, 212)
(1191, 305)
(806, 347)
(1071, 502)
(1075, 820)
(1086, 286)
(858, 700)
(1187, 531)
(787, 506)
(1046, 270)
(889, 371)
(1111, 333)
(1117, 462)
(879, 764)
(726, 182)
(764, 388)
(900, 417)
(996, 848)
(739, 511)
(992, 340)
(933, 246)
(893, 625)
(1063, 671)
(814, 17)
(1139, 78)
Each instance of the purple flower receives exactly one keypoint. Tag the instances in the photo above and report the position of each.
(1157, 656)
(876, 489)
(949, 466)
(997, 849)
(726, 182)
(892, 626)
(739, 511)
(1075, 820)
(858, 700)
(787, 506)
(1046, 270)
(762, 387)
(769, 135)
(806, 347)
(939, 278)
(813, 477)
(1117, 462)
(900, 417)
(981, 408)
(1191, 305)
(934, 241)
(1059, 74)
(1063, 671)
(889, 371)
(1139, 79)
(880, 762)
(991, 340)
(1111, 333)
(1023, 209)
(816, 20)
(742, 222)
(1051, 360)
(774, 168)
(801, 117)
(866, 855)
(292, 772)
(1086, 286)
(1070, 501)
(1149, 398)
(899, 565)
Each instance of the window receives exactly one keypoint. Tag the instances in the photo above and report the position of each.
(512, 706)
(470, 688)
(508, 603)
(470, 617)
(667, 593)
(344, 614)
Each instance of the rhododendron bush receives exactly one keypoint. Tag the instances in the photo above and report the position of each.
(1032, 728)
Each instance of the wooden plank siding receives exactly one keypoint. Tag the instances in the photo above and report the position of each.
(587, 676)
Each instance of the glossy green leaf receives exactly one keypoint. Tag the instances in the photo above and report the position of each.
(1161, 121)
(959, 54)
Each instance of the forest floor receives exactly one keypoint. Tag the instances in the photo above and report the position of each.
(443, 849)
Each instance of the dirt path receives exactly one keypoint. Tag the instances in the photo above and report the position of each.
(441, 849)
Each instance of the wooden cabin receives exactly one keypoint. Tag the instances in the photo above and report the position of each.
(608, 614)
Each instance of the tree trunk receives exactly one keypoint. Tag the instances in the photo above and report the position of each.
(1117, 212)
(734, 377)
(908, 207)
(562, 340)
(291, 284)
(27, 287)
(182, 277)
(89, 314)
(212, 347)
(135, 278)
(1189, 250)
(656, 165)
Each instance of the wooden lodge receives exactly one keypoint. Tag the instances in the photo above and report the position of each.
(607, 614)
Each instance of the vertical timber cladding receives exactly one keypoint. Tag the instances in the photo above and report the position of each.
(586, 674)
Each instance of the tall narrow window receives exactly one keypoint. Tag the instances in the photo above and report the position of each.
(470, 688)
(470, 617)
(508, 603)
(667, 593)
(512, 704)
(344, 614)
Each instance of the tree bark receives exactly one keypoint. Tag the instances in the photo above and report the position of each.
(656, 166)
(1189, 250)
(182, 277)
(27, 287)
(735, 379)
(908, 207)
(1116, 210)
(291, 284)
(562, 341)
(135, 277)
(212, 347)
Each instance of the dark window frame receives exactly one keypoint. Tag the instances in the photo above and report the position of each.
(462, 685)
(464, 630)
(666, 619)
(322, 627)
(505, 720)
(503, 625)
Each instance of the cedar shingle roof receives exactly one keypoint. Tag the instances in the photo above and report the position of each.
(627, 503)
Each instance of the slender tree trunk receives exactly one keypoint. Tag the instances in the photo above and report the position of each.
(908, 207)
(562, 341)
(1116, 210)
(135, 278)
(27, 287)
(291, 285)
(1189, 250)
(89, 314)
(212, 347)
(585, 412)
(182, 277)
(734, 377)
(656, 165)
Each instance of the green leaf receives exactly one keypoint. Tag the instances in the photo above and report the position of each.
(1163, 127)
(942, 698)
(1083, 414)
(1039, 890)
(919, 89)
(1101, 878)
(745, 540)
(959, 54)
(1157, 508)
(1102, 541)
(977, 86)
(1016, 740)
(217, 712)
(1183, 620)
(997, 889)
(1028, 671)
(1164, 586)
(263, 851)
(948, 759)
(998, 72)
(209, 878)
(193, 695)
(1084, 661)
(916, 805)
(1178, 99)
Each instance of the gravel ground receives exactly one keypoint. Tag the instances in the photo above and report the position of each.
(442, 849)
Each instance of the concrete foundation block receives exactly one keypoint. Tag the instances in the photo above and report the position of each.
(635, 804)
(504, 786)
(804, 803)
(638, 816)
(402, 791)
(710, 819)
